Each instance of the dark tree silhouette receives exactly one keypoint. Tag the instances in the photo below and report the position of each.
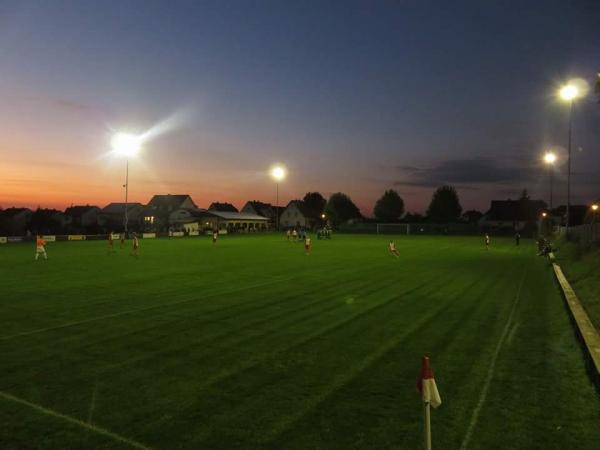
(444, 206)
(340, 208)
(315, 203)
(390, 207)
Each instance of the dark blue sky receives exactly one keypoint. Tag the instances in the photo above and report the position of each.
(351, 96)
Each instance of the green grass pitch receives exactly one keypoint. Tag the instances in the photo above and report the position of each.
(252, 344)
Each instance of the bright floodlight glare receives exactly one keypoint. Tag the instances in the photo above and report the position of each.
(278, 173)
(568, 92)
(126, 144)
(544, 214)
(594, 207)
(549, 158)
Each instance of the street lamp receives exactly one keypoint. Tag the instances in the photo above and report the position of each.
(569, 93)
(594, 209)
(126, 145)
(550, 159)
(278, 173)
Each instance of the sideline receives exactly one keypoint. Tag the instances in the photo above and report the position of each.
(74, 421)
(492, 368)
(582, 324)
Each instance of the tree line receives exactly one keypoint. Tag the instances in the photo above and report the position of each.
(444, 207)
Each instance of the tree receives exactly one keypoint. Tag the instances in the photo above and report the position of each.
(390, 207)
(445, 206)
(524, 195)
(314, 203)
(340, 208)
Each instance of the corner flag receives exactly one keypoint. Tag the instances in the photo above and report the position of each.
(426, 385)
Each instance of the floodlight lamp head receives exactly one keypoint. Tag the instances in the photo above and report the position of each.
(550, 158)
(278, 173)
(126, 144)
(568, 92)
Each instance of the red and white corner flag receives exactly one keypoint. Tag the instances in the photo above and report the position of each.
(426, 385)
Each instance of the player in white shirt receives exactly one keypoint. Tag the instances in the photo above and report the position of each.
(393, 250)
(487, 241)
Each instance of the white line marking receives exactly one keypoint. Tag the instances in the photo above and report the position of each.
(92, 404)
(74, 421)
(491, 369)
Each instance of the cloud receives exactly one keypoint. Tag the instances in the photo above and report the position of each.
(466, 172)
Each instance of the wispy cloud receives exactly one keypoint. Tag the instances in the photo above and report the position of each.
(465, 172)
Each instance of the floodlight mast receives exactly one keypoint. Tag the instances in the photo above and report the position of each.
(569, 93)
(550, 159)
(126, 145)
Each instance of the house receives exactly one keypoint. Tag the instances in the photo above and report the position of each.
(48, 222)
(260, 209)
(62, 219)
(191, 219)
(263, 209)
(296, 215)
(112, 216)
(223, 207)
(196, 219)
(160, 207)
(240, 221)
(15, 221)
(512, 214)
(82, 217)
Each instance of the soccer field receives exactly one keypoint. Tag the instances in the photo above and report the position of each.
(252, 344)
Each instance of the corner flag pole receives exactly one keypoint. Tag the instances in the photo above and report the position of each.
(427, 418)
(430, 396)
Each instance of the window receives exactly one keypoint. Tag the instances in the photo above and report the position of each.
(149, 219)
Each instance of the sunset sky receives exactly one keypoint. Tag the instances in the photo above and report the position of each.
(351, 96)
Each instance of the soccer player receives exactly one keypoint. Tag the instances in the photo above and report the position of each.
(40, 247)
(122, 240)
(136, 246)
(215, 236)
(393, 250)
(307, 244)
(295, 235)
(517, 238)
(289, 234)
(487, 241)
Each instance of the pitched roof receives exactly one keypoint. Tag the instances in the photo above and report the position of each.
(228, 215)
(302, 208)
(224, 207)
(113, 208)
(78, 211)
(169, 201)
(12, 212)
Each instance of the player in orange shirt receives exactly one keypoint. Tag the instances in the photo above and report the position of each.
(40, 247)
